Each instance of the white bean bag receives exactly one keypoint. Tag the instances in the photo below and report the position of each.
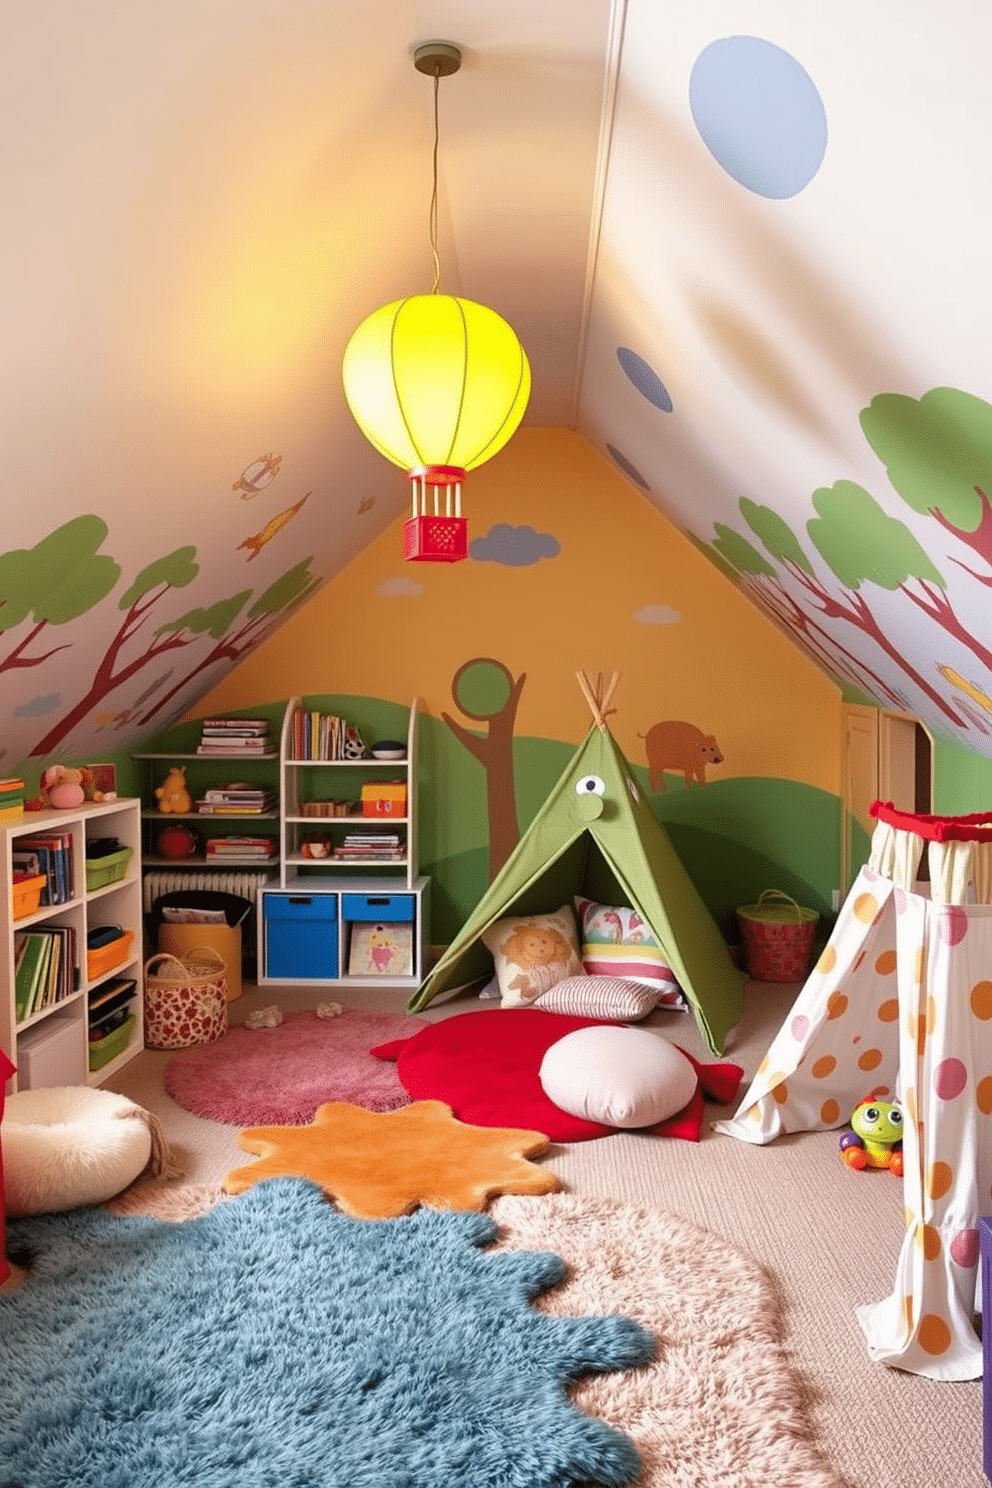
(70, 1145)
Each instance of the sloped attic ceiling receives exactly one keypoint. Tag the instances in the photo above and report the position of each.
(743, 243)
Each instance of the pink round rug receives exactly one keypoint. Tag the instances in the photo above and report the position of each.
(279, 1076)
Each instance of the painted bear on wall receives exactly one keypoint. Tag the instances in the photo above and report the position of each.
(675, 745)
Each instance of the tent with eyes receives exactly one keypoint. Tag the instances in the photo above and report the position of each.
(597, 836)
(900, 1003)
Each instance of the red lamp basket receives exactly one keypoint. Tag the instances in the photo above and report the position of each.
(440, 536)
(435, 539)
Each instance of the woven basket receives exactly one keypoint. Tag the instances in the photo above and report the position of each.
(778, 938)
(185, 1000)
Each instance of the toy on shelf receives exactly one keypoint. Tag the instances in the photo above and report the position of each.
(64, 786)
(876, 1138)
(172, 793)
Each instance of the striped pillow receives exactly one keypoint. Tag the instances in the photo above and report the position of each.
(617, 943)
(612, 998)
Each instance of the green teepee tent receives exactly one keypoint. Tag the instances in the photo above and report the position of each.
(596, 835)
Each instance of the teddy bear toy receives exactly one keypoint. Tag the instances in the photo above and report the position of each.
(172, 793)
(875, 1140)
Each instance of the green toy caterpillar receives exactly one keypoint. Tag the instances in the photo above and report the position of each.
(876, 1140)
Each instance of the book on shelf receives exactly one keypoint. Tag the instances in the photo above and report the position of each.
(324, 736)
(381, 950)
(232, 748)
(240, 847)
(44, 968)
(233, 725)
(237, 790)
(240, 808)
(55, 862)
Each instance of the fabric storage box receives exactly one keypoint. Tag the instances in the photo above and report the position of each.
(102, 1051)
(377, 906)
(388, 798)
(107, 870)
(224, 939)
(27, 894)
(51, 1053)
(185, 1001)
(300, 935)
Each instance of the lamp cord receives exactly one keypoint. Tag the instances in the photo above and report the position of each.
(435, 287)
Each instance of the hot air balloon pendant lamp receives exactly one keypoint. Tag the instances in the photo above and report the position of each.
(437, 384)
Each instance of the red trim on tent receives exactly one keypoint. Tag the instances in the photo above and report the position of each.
(976, 828)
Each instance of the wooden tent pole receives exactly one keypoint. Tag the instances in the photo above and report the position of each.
(599, 699)
(590, 699)
(605, 708)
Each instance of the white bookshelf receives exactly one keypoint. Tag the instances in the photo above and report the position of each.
(117, 903)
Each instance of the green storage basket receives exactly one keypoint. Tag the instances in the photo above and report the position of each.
(102, 1051)
(103, 871)
(778, 937)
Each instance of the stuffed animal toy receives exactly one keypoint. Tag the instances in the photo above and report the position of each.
(62, 787)
(172, 793)
(876, 1138)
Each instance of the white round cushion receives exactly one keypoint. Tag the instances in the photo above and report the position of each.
(68, 1145)
(625, 1077)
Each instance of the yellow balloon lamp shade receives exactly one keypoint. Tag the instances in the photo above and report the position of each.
(437, 384)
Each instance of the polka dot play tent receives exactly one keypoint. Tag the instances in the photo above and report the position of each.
(901, 1000)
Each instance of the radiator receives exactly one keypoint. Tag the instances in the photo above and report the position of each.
(241, 882)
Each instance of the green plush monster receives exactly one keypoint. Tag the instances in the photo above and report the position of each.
(876, 1141)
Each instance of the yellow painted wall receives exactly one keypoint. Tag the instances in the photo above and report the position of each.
(627, 591)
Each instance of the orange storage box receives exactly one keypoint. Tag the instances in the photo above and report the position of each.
(387, 798)
(27, 894)
(106, 957)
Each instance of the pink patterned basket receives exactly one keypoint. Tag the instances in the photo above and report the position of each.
(778, 938)
(185, 1001)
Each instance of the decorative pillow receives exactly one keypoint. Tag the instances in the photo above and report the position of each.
(617, 943)
(611, 998)
(624, 1077)
(533, 952)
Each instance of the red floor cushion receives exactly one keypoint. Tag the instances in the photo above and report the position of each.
(486, 1067)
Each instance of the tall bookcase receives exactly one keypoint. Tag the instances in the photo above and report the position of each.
(311, 923)
(116, 903)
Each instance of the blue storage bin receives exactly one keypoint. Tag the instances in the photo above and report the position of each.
(378, 907)
(301, 935)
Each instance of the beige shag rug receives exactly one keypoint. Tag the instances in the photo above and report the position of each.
(721, 1405)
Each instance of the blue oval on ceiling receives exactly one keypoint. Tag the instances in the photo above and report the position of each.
(628, 468)
(645, 378)
(759, 114)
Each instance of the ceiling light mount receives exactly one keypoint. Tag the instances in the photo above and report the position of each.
(437, 58)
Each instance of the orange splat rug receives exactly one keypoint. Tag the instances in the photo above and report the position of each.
(380, 1164)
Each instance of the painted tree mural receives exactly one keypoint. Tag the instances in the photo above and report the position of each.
(486, 691)
(937, 452)
(152, 585)
(232, 642)
(53, 583)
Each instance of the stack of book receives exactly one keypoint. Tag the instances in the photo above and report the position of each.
(11, 798)
(235, 849)
(45, 968)
(245, 738)
(236, 798)
(50, 854)
(370, 846)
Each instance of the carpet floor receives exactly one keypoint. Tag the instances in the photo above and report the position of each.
(720, 1404)
(279, 1076)
(274, 1340)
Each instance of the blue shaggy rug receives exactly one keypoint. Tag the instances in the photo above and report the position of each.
(276, 1343)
